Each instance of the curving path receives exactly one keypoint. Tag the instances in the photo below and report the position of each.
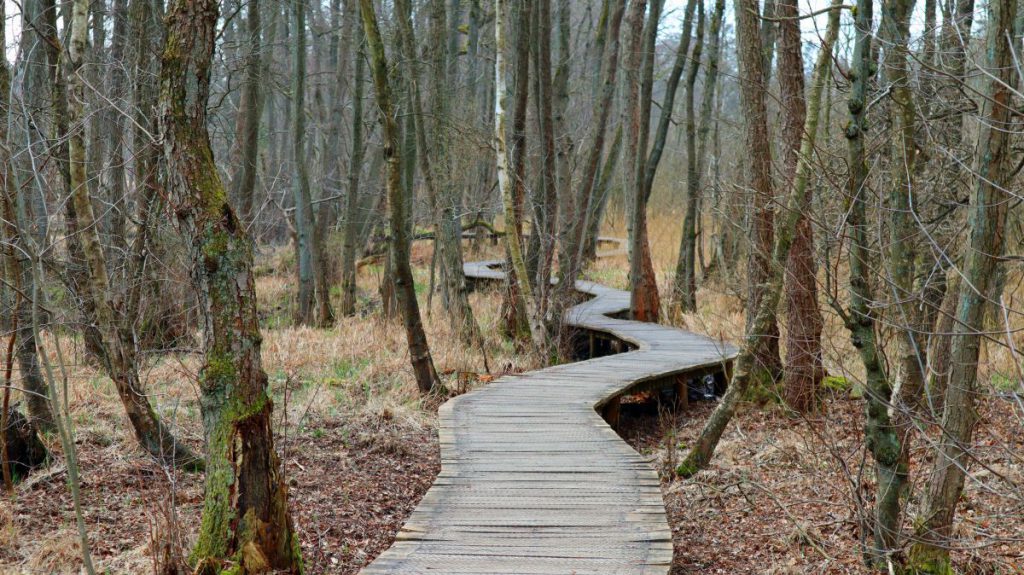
(533, 480)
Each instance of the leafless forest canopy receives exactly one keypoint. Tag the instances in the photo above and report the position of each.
(233, 295)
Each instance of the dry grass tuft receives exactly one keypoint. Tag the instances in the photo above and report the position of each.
(8, 528)
(57, 552)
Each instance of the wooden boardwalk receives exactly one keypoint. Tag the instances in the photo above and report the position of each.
(533, 480)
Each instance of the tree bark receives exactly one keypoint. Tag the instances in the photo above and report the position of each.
(903, 229)
(355, 168)
(980, 286)
(419, 351)
(708, 115)
(434, 164)
(645, 304)
(245, 513)
(753, 92)
(880, 435)
(804, 371)
(512, 186)
(118, 351)
(685, 282)
(746, 362)
(76, 276)
(511, 179)
(545, 220)
(313, 304)
(592, 191)
(568, 206)
(769, 34)
(18, 272)
(247, 123)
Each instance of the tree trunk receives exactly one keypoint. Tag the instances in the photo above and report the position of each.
(939, 368)
(746, 362)
(512, 186)
(25, 205)
(336, 117)
(513, 190)
(314, 305)
(880, 435)
(753, 92)
(76, 270)
(419, 351)
(769, 33)
(645, 303)
(113, 133)
(803, 318)
(546, 206)
(903, 229)
(592, 192)
(19, 277)
(685, 282)
(447, 213)
(434, 162)
(245, 514)
(145, 33)
(118, 353)
(355, 168)
(568, 206)
(593, 201)
(247, 124)
(707, 116)
(981, 285)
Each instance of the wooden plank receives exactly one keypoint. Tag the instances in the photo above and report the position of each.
(533, 481)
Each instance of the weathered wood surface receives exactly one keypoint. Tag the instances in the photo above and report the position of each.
(533, 481)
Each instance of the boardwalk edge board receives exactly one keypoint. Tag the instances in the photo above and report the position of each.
(533, 480)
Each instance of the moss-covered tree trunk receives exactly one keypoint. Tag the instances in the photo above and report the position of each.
(245, 526)
(980, 286)
(880, 435)
(398, 206)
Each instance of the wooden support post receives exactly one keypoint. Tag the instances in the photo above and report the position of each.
(592, 345)
(726, 377)
(682, 392)
(611, 412)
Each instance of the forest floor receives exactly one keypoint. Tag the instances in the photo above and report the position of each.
(779, 496)
(360, 449)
